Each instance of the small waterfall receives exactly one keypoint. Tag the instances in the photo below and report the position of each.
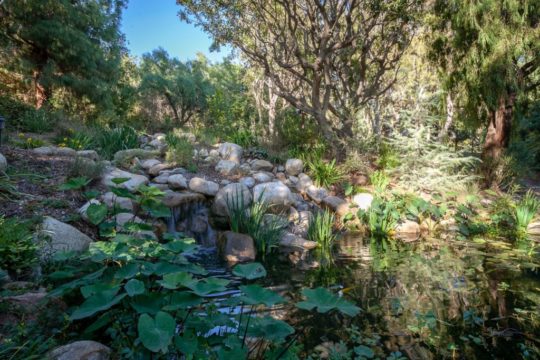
(192, 220)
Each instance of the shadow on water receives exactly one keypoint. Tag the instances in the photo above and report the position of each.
(430, 299)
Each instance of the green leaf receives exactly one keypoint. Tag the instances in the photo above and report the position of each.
(127, 271)
(148, 302)
(250, 271)
(75, 183)
(121, 192)
(209, 286)
(91, 194)
(325, 301)
(134, 287)
(120, 180)
(94, 304)
(175, 280)
(269, 329)
(157, 210)
(182, 300)
(255, 294)
(364, 352)
(156, 334)
(96, 213)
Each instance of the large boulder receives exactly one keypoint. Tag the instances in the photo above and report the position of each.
(132, 184)
(55, 151)
(295, 242)
(177, 182)
(294, 167)
(336, 204)
(263, 177)
(275, 194)
(408, 227)
(261, 165)
(226, 167)
(88, 154)
(303, 183)
(173, 199)
(80, 350)
(156, 169)
(118, 202)
(363, 200)
(534, 228)
(203, 186)
(125, 157)
(248, 181)
(230, 151)
(234, 194)
(149, 163)
(62, 237)
(316, 194)
(237, 247)
(3, 163)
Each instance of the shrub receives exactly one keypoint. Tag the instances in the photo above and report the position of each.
(388, 157)
(75, 140)
(381, 218)
(324, 173)
(525, 210)
(107, 141)
(28, 142)
(180, 150)
(380, 181)
(320, 230)
(37, 121)
(244, 138)
(82, 167)
(18, 252)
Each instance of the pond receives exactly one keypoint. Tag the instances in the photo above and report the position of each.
(430, 299)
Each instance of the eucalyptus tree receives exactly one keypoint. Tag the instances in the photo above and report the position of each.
(327, 58)
(68, 44)
(490, 50)
(184, 86)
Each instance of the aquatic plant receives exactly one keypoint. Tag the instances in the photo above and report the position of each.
(525, 210)
(381, 218)
(321, 231)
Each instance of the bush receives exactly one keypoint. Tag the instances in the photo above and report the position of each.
(18, 252)
(82, 167)
(324, 173)
(23, 117)
(75, 140)
(107, 141)
(243, 138)
(381, 218)
(28, 142)
(380, 181)
(180, 150)
(525, 210)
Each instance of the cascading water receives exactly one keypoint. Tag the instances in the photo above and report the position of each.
(192, 219)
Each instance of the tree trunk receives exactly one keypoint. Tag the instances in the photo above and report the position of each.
(41, 92)
(449, 117)
(173, 107)
(498, 132)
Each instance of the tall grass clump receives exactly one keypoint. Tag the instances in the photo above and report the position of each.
(251, 220)
(324, 174)
(321, 231)
(380, 181)
(108, 141)
(180, 149)
(525, 210)
(82, 167)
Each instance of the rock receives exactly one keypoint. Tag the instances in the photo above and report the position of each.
(244, 169)
(281, 177)
(359, 180)
(111, 200)
(202, 186)
(237, 247)
(203, 153)
(147, 164)
(275, 221)
(408, 227)
(173, 199)
(161, 187)
(158, 144)
(293, 180)
(161, 179)
(304, 181)
(316, 194)
(80, 350)
(294, 167)
(83, 209)
(280, 168)
(230, 151)
(88, 154)
(294, 215)
(248, 181)
(274, 194)
(261, 165)
(235, 194)
(156, 169)
(124, 157)
(301, 226)
(290, 240)
(363, 200)
(534, 228)
(211, 159)
(62, 237)
(55, 151)
(177, 181)
(336, 204)
(122, 219)
(226, 167)
(214, 153)
(224, 182)
(263, 177)
(3, 163)
(132, 184)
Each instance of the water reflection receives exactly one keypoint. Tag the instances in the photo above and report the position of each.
(433, 298)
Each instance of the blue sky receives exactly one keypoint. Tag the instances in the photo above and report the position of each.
(149, 24)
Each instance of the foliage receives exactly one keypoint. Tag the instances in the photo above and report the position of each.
(243, 138)
(324, 173)
(87, 168)
(381, 217)
(76, 183)
(388, 157)
(18, 252)
(107, 141)
(525, 210)
(380, 181)
(180, 150)
(28, 142)
(325, 301)
(36, 121)
(75, 140)
(321, 230)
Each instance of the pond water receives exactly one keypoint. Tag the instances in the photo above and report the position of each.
(430, 299)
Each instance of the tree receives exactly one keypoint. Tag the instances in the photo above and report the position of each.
(327, 58)
(490, 49)
(184, 86)
(71, 44)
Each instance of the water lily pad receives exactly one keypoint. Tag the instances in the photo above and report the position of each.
(250, 271)
(175, 280)
(209, 286)
(156, 334)
(183, 300)
(134, 287)
(255, 294)
(325, 301)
